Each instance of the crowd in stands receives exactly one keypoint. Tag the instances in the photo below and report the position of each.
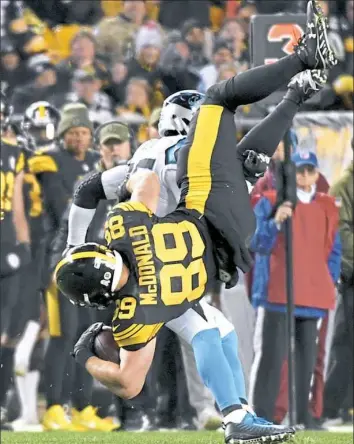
(121, 59)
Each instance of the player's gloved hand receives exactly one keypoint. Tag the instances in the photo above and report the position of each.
(254, 165)
(123, 193)
(83, 349)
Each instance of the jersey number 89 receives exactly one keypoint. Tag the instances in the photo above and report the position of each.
(173, 271)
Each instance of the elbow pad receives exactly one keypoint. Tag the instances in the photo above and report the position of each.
(89, 192)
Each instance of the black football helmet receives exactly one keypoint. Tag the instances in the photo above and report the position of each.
(39, 124)
(87, 275)
(5, 112)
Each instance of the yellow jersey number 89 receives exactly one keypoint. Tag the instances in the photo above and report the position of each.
(172, 258)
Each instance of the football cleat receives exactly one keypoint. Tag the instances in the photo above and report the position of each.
(306, 84)
(254, 430)
(89, 420)
(314, 49)
(56, 418)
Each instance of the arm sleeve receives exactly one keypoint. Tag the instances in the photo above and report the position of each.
(111, 180)
(266, 232)
(55, 197)
(334, 259)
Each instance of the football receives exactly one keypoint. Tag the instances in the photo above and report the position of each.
(105, 347)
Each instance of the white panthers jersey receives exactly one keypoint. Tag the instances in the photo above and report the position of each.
(159, 156)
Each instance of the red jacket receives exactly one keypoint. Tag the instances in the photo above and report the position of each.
(315, 226)
(265, 183)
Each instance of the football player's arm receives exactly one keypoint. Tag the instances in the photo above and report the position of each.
(144, 187)
(19, 213)
(125, 380)
(55, 196)
(98, 186)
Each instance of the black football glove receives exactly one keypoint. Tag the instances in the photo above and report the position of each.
(83, 349)
(254, 165)
(123, 193)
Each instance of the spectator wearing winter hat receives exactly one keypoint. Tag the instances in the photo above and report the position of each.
(222, 54)
(86, 89)
(148, 46)
(115, 35)
(316, 263)
(44, 84)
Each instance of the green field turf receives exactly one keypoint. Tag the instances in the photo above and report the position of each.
(155, 438)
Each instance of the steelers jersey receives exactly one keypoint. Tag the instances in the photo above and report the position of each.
(11, 163)
(33, 197)
(171, 268)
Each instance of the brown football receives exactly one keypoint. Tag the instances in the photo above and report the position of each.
(105, 347)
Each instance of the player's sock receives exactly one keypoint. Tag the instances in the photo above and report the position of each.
(265, 136)
(82, 388)
(56, 358)
(25, 347)
(31, 384)
(214, 368)
(21, 391)
(257, 83)
(230, 347)
(6, 371)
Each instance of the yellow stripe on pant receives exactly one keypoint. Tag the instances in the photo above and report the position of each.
(53, 310)
(199, 157)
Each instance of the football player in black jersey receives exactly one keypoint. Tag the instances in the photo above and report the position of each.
(14, 241)
(157, 268)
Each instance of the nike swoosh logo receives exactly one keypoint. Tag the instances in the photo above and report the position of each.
(115, 328)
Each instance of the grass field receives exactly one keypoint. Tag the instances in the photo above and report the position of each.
(156, 438)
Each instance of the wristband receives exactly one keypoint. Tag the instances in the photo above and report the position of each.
(82, 356)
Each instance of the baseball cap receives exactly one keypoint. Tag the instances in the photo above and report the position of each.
(115, 130)
(305, 158)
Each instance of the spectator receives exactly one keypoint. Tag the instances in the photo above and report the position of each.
(222, 54)
(115, 35)
(226, 71)
(86, 89)
(193, 34)
(44, 85)
(233, 32)
(175, 66)
(136, 110)
(148, 47)
(116, 88)
(340, 371)
(13, 71)
(317, 255)
(154, 124)
(83, 56)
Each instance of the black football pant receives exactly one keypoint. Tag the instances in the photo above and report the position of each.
(64, 379)
(270, 343)
(340, 371)
(210, 169)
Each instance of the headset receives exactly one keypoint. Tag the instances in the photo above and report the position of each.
(132, 138)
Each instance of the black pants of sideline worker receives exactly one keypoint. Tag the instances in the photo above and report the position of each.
(340, 371)
(270, 343)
